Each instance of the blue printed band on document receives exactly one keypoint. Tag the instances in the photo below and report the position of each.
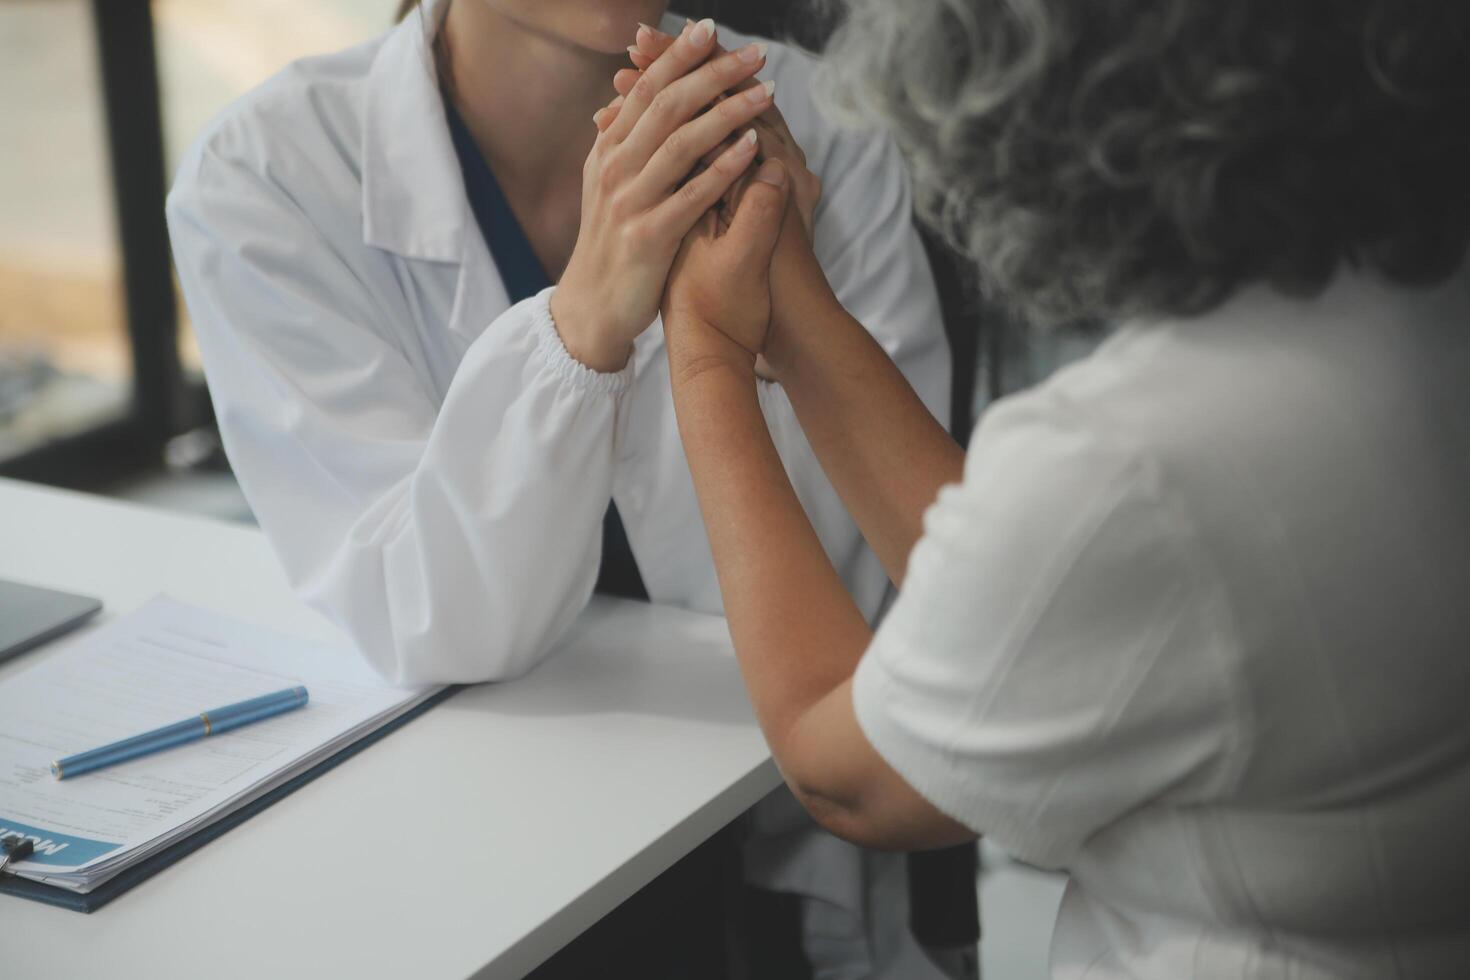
(53, 849)
(163, 662)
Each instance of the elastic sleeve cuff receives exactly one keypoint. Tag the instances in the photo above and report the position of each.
(558, 360)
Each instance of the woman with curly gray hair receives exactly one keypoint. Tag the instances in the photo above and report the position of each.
(1191, 620)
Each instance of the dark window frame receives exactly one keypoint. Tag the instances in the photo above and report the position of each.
(164, 402)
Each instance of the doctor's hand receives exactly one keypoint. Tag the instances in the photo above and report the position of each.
(798, 284)
(774, 135)
(717, 304)
(637, 204)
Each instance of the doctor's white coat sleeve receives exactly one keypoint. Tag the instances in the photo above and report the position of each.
(453, 543)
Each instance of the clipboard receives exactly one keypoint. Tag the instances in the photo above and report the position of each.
(12, 885)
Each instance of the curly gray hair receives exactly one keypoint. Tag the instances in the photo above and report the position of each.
(1122, 157)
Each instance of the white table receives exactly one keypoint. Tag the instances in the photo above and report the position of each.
(529, 809)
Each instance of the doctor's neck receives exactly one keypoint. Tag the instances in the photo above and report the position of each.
(526, 96)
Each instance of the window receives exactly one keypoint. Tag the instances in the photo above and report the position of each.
(212, 51)
(100, 98)
(65, 362)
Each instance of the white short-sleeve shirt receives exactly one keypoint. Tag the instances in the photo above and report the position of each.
(1196, 628)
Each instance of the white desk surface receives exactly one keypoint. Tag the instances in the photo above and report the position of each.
(474, 841)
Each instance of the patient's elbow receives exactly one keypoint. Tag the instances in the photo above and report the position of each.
(868, 819)
(846, 819)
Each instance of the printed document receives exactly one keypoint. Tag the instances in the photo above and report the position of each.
(165, 663)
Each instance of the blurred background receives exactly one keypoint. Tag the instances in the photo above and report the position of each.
(100, 386)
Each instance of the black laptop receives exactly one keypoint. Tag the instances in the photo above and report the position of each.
(29, 616)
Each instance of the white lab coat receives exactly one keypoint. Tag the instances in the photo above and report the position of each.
(428, 462)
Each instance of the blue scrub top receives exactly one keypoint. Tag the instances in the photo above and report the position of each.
(524, 277)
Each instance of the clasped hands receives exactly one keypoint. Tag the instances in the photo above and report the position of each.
(696, 202)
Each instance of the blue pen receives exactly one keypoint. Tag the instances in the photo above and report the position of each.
(204, 724)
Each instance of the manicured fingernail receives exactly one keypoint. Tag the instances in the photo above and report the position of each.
(771, 172)
(748, 139)
(633, 50)
(702, 32)
(762, 92)
(752, 53)
(597, 116)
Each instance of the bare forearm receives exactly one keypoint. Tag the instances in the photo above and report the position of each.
(796, 630)
(885, 454)
(797, 633)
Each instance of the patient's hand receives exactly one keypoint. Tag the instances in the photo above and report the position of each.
(717, 303)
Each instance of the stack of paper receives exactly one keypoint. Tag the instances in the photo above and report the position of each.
(159, 665)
